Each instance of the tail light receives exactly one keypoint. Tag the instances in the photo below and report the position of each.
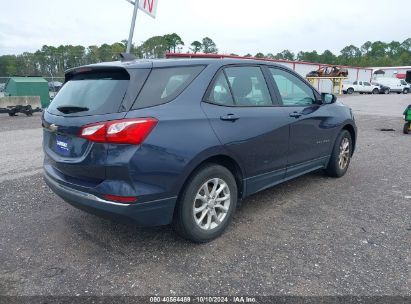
(125, 131)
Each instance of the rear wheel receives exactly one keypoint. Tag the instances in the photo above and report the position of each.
(341, 155)
(407, 127)
(350, 90)
(207, 204)
(405, 91)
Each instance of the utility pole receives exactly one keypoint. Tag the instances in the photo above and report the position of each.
(133, 24)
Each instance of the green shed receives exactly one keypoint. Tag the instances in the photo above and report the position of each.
(29, 86)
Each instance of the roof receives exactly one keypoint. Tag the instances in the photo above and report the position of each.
(27, 79)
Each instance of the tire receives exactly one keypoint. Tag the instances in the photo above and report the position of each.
(387, 91)
(375, 91)
(336, 168)
(407, 128)
(405, 91)
(350, 91)
(186, 221)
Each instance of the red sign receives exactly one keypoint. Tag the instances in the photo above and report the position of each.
(149, 7)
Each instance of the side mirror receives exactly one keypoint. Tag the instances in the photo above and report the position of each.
(328, 98)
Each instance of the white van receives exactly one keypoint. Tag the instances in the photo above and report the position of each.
(395, 84)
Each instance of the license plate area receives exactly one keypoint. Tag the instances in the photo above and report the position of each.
(63, 145)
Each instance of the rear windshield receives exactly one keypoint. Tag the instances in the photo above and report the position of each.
(91, 93)
(165, 84)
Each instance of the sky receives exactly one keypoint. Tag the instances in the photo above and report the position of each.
(236, 26)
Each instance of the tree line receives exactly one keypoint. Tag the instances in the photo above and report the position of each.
(369, 54)
(53, 61)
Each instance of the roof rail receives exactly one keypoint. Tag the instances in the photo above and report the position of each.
(221, 56)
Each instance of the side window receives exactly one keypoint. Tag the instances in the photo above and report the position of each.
(293, 91)
(248, 86)
(355, 83)
(220, 92)
(165, 84)
(367, 84)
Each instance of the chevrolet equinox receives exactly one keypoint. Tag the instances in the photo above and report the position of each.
(182, 141)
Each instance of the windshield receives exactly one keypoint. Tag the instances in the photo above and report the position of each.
(91, 94)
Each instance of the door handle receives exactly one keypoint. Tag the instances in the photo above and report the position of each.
(295, 114)
(229, 117)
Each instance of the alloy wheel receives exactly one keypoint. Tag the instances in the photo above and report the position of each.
(344, 155)
(211, 204)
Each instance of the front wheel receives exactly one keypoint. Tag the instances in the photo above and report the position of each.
(375, 91)
(207, 204)
(386, 91)
(407, 127)
(350, 91)
(405, 91)
(341, 155)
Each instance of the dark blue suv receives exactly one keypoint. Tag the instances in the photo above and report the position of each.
(182, 141)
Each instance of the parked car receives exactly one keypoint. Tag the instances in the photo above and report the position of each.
(334, 71)
(360, 87)
(182, 141)
(383, 89)
(396, 85)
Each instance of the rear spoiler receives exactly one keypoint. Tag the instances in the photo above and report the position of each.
(87, 70)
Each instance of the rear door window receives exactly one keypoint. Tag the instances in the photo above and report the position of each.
(165, 84)
(248, 86)
(91, 93)
(242, 86)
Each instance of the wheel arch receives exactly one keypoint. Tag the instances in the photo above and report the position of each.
(350, 128)
(223, 160)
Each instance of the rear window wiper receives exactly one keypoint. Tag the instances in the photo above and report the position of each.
(72, 109)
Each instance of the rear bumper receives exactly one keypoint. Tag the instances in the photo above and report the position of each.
(153, 213)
